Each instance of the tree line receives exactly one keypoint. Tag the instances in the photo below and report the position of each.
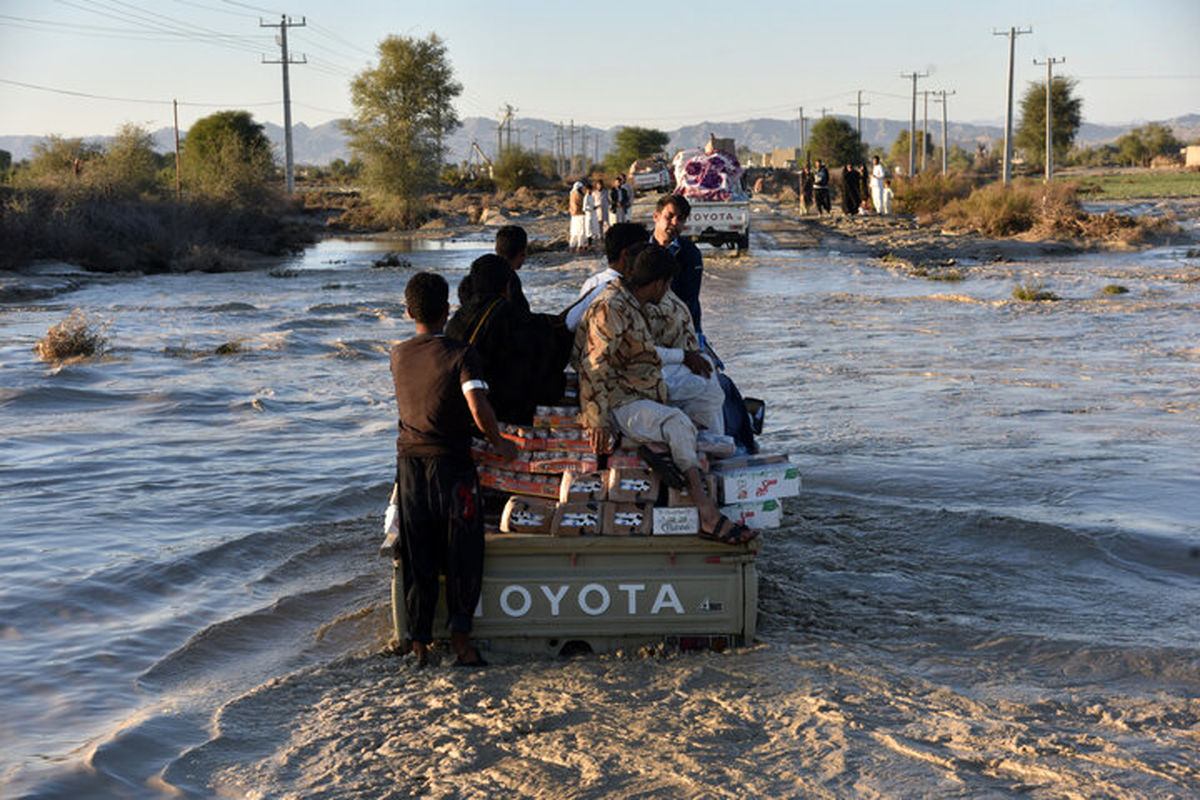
(404, 113)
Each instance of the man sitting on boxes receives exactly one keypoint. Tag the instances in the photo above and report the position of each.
(692, 383)
(621, 386)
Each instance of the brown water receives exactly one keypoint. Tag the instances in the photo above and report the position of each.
(988, 588)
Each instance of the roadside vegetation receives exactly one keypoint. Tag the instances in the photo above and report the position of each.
(1138, 183)
(114, 207)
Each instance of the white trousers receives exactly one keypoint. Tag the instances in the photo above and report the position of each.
(648, 421)
(702, 399)
(578, 235)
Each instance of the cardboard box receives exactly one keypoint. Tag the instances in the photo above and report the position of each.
(632, 485)
(516, 483)
(627, 519)
(557, 417)
(677, 521)
(537, 461)
(759, 515)
(682, 497)
(578, 486)
(766, 482)
(578, 519)
(528, 515)
(625, 457)
(741, 462)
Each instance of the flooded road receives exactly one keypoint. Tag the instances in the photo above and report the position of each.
(989, 586)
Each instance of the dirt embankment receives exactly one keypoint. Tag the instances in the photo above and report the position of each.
(924, 248)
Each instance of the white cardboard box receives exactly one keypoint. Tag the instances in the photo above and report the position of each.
(759, 515)
(677, 521)
(765, 482)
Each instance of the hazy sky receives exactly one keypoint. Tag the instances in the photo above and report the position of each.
(600, 63)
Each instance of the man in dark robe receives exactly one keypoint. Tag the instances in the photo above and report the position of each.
(849, 190)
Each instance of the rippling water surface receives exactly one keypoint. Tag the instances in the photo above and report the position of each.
(1001, 507)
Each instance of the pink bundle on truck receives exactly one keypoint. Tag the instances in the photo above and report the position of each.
(707, 176)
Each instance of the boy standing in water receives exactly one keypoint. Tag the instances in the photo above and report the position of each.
(440, 392)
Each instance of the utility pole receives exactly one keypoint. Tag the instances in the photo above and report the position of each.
(1049, 62)
(945, 144)
(178, 182)
(860, 104)
(925, 129)
(1012, 34)
(535, 142)
(505, 127)
(803, 144)
(286, 22)
(912, 123)
(571, 168)
(824, 112)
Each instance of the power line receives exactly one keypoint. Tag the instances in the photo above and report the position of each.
(89, 96)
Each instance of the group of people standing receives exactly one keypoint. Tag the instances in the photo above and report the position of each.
(863, 191)
(593, 209)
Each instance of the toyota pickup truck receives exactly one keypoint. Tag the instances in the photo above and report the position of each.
(711, 180)
(720, 223)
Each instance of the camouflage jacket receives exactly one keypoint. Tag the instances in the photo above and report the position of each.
(671, 324)
(615, 356)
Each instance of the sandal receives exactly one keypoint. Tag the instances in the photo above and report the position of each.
(476, 663)
(663, 465)
(729, 532)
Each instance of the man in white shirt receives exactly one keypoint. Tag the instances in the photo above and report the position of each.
(617, 240)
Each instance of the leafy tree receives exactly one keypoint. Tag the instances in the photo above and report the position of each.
(58, 161)
(1067, 110)
(403, 113)
(5, 162)
(631, 143)
(899, 152)
(227, 157)
(129, 165)
(1141, 145)
(836, 142)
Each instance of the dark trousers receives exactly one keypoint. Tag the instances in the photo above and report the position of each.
(441, 530)
(823, 200)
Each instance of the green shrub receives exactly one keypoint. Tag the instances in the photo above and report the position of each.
(1033, 292)
(515, 168)
(1113, 288)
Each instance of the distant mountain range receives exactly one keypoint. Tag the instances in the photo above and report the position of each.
(321, 144)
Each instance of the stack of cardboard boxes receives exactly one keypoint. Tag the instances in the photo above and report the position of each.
(558, 487)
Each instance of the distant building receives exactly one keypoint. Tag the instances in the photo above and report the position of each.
(1191, 155)
(782, 158)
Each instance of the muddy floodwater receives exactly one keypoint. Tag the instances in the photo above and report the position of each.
(989, 586)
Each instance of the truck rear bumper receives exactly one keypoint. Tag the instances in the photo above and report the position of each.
(562, 595)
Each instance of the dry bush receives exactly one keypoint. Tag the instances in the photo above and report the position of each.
(78, 336)
(929, 192)
(995, 210)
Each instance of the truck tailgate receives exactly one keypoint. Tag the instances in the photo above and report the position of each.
(547, 594)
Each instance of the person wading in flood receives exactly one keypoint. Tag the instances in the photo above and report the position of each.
(440, 392)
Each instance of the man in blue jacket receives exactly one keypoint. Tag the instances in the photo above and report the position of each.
(670, 215)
